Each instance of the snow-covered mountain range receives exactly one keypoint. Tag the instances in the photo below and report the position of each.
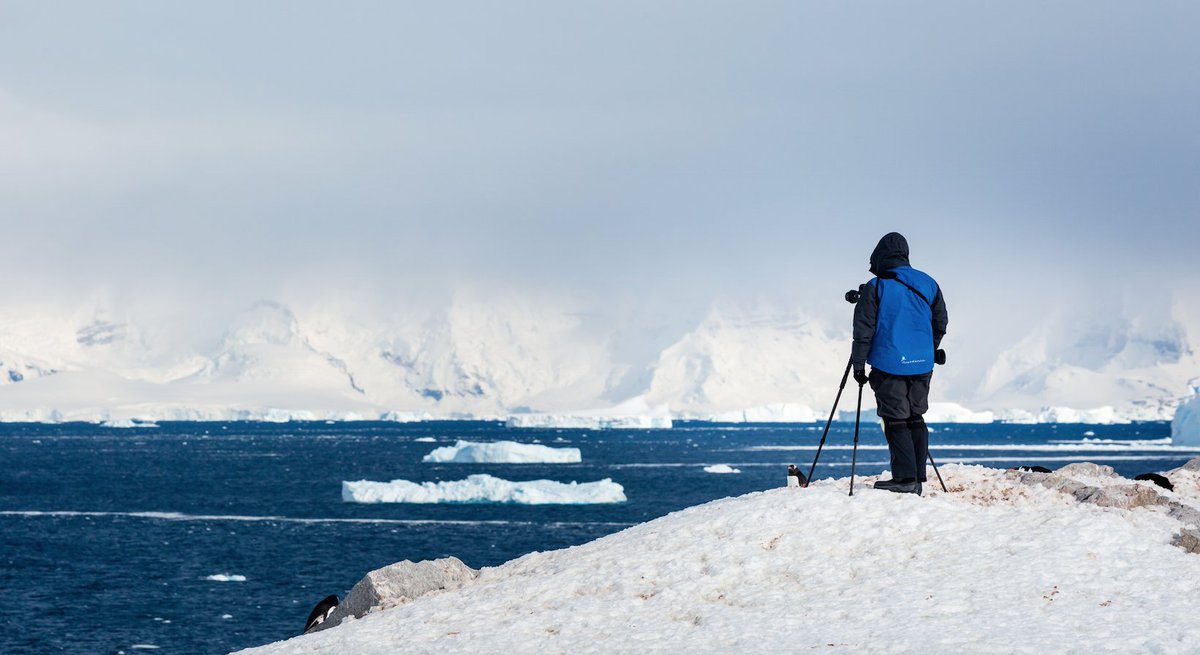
(489, 357)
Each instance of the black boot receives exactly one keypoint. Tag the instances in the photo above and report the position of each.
(910, 487)
(884, 484)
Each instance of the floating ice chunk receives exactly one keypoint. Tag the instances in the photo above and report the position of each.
(485, 489)
(1105, 415)
(583, 422)
(1019, 416)
(406, 417)
(128, 423)
(721, 468)
(225, 577)
(1185, 427)
(634, 413)
(773, 413)
(145, 647)
(955, 413)
(425, 440)
(502, 452)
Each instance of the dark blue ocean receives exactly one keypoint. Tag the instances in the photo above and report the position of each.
(107, 535)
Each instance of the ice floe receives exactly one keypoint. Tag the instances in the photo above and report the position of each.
(502, 452)
(485, 489)
(721, 468)
(225, 577)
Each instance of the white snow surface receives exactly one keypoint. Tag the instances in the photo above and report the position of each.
(995, 566)
(1185, 427)
(485, 489)
(721, 468)
(502, 452)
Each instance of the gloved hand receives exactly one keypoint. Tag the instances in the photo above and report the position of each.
(939, 356)
(860, 376)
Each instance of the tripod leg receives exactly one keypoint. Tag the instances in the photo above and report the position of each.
(939, 473)
(854, 456)
(824, 434)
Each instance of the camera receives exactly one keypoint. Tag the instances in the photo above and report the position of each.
(852, 296)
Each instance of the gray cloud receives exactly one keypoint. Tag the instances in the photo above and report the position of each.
(667, 152)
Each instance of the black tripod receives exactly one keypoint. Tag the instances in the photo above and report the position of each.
(857, 417)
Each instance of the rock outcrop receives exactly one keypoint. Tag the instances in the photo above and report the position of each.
(400, 583)
(1100, 485)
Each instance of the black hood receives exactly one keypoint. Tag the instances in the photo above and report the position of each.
(891, 252)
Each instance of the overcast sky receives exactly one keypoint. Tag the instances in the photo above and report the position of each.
(669, 152)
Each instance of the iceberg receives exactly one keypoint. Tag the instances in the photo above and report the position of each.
(485, 489)
(1185, 427)
(721, 468)
(405, 417)
(502, 452)
(128, 423)
(1106, 415)
(225, 577)
(633, 414)
(955, 413)
(772, 413)
(584, 422)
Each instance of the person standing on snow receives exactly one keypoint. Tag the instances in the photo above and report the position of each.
(899, 321)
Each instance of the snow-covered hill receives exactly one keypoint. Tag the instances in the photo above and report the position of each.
(536, 358)
(1139, 364)
(1005, 563)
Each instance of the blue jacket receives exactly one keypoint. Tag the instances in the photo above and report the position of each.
(900, 317)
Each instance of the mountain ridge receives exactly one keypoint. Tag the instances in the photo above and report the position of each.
(491, 358)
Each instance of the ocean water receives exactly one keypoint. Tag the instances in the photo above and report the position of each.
(108, 537)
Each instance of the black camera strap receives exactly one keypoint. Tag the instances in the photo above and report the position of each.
(910, 287)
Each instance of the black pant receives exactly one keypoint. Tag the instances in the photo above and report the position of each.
(900, 401)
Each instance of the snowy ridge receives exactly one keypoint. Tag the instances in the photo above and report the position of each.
(502, 452)
(485, 489)
(1002, 565)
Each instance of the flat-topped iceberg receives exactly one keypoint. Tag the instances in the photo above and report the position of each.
(634, 413)
(582, 422)
(955, 413)
(772, 413)
(128, 423)
(502, 452)
(485, 489)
